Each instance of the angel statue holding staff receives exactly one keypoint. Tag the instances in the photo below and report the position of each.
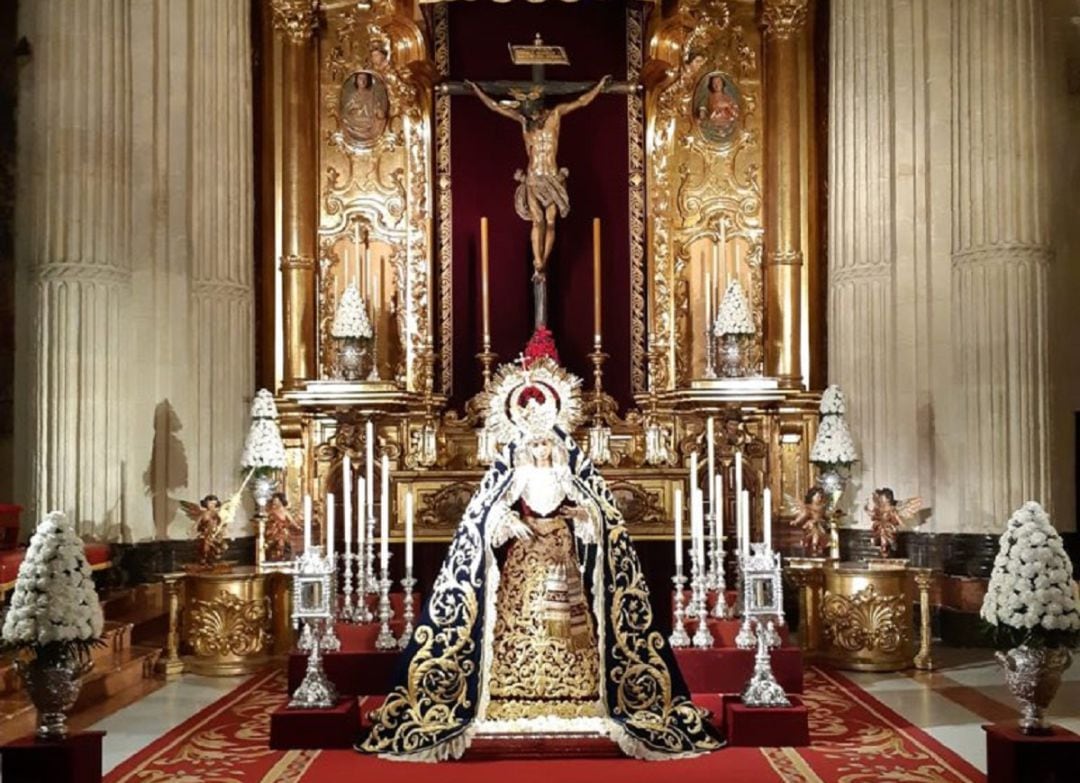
(561, 636)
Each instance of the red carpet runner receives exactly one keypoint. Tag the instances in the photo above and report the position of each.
(855, 739)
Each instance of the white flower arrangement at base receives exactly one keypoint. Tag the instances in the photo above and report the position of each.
(1032, 599)
(733, 317)
(833, 446)
(264, 450)
(351, 318)
(55, 607)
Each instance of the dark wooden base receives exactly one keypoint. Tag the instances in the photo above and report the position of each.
(336, 727)
(766, 727)
(76, 759)
(1014, 757)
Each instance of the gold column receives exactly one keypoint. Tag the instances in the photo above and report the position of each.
(172, 666)
(808, 576)
(924, 580)
(783, 21)
(296, 21)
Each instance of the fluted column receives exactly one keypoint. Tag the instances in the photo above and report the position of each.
(75, 146)
(221, 220)
(295, 21)
(862, 339)
(1000, 255)
(784, 20)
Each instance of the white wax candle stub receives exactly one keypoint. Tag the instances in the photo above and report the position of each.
(330, 524)
(678, 531)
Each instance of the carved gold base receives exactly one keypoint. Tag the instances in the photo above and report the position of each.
(227, 623)
(212, 668)
(516, 709)
(866, 618)
(170, 669)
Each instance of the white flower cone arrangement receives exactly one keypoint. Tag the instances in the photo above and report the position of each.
(1031, 598)
(54, 602)
(833, 446)
(351, 319)
(733, 317)
(263, 447)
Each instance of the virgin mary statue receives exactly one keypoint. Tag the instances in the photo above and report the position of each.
(560, 637)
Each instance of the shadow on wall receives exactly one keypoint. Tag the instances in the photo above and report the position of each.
(168, 468)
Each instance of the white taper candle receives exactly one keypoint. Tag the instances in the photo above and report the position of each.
(369, 446)
(346, 509)
(361, 498)
(718, 509)
(409, 529)
(766, 518)
(678, 531)
(710, 433)
(384, 518)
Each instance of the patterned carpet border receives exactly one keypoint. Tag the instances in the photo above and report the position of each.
(854, 739)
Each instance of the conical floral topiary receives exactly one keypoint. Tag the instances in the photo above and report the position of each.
(833, 446)
(733, 317)
(54, 606)
(351, 318)
(263, 448)
(1032, 599)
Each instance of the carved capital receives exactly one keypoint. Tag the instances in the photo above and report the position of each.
(784, 18)
(295, 19)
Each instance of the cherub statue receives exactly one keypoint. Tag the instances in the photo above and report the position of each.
(814, 517)
(212, 519)
(280, 527)
(887, 516)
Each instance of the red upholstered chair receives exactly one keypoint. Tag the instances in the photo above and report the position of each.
(9, 526)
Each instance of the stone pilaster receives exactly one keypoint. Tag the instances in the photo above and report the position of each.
(1000, 254)
(74, 165)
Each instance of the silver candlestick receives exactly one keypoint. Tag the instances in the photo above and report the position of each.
(315, 691)
(347, 612)
(703, 638)
(763, 690)
(407, 584)
(360, 610)
(369, 558)
(679, 637)
(385, 640)
(329, 640)
(695, 579)
(721, 610)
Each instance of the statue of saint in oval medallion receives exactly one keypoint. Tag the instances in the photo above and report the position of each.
(364, 107)
(717, 107)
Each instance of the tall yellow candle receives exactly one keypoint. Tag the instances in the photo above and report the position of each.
(484, 280)
(596, 278)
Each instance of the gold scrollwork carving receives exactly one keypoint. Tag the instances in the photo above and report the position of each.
(229, 625)
(635, 115)
(638, 506)
(443, 509)
(866, 621)
(295, 19)
(784, 18)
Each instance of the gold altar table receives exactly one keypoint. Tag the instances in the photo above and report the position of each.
(225, 623)
(860, 616)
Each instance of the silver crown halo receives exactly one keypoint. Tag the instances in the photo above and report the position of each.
(530, 401)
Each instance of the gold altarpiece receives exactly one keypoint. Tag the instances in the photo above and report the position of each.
(336, 210)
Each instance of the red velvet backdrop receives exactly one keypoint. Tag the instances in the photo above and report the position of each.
(487, 148)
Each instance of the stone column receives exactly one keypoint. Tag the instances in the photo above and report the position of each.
(222, 259)
(296, 20)
(861, 228)
(1000, 254)
(784, 21)
(74, 165)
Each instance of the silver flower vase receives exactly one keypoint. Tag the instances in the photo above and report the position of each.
(1033, 676)
(263, 486)
(731, 357)
(350, 357)
(53, 682)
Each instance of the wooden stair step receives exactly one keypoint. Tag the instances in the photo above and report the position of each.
(117, 638)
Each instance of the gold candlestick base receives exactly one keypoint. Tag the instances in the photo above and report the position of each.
(487, 359)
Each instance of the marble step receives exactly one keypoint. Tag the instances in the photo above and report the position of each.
(112, 675)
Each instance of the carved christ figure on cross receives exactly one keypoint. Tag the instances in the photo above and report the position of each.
(541, 194)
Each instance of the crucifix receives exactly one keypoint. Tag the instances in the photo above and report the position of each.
(541, 194)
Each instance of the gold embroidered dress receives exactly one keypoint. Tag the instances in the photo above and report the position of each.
(545, 659)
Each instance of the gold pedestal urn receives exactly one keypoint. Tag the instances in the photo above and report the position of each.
(866, 617)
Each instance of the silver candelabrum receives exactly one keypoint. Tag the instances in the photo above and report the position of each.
(315, 690)
(703, 638)
(371, 583)
(679, 637)
(762, 690)
(385, 639)
(407, 585)
(695, 578)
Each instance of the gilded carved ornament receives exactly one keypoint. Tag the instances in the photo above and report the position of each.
(784, 18)
(297, 20)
